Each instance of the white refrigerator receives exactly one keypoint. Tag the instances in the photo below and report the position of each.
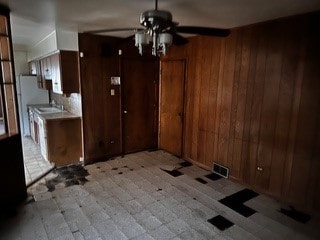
(29, 93)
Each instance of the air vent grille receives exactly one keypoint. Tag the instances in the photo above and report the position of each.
(220, 170)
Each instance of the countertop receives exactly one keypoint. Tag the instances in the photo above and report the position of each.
(63, 115)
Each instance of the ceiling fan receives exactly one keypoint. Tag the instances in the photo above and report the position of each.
(162, 31)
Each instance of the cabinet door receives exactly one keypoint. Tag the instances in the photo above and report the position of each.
(45, 65)
(43, 138)
(56, 75)
(33, 68)
(31, 124)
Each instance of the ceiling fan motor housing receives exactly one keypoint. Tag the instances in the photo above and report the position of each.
(156, 20)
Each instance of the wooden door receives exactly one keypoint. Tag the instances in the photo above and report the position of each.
(171, 106)
(139, 104)
(12, 180)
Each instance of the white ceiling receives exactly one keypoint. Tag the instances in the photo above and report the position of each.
(32, 20)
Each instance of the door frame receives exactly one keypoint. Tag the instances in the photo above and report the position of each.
(184, 90)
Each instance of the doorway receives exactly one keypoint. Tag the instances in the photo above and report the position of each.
(28, 93)
(172, 79)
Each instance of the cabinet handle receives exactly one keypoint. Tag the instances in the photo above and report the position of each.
(125, 111)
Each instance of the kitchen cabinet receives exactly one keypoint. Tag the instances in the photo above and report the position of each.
(58, 135)
(59, 72)
(63, 139)
(38, 68)
(33, 68)
(43, 138)
(33, 126)
(65, 72)
(46, 73)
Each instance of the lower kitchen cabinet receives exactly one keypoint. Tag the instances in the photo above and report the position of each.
(58, 136)
(63, 141)
(33, 126)
(43, 138)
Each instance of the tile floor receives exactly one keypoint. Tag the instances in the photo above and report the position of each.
(133, 198)
(34, 164)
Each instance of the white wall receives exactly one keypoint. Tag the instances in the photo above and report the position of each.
(20, 62)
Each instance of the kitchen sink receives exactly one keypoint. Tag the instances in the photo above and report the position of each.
(43, 110)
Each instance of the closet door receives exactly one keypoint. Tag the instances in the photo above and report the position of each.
(139, 104)
(171, 105)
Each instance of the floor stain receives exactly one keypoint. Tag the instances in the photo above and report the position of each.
(69, 175)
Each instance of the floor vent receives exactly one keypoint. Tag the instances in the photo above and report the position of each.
(220, 170)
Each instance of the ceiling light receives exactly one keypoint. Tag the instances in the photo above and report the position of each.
(160, 41)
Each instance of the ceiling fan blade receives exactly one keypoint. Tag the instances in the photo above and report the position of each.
(206, 31)
(113, 30)
(178, 39)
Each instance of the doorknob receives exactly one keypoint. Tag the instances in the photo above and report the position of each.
(125, 111)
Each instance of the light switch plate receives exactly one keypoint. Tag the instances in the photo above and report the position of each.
(112, 92)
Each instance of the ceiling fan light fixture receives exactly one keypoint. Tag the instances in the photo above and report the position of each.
(165, 41)
(163, 32)
(141, 39)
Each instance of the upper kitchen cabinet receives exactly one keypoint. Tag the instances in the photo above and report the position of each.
(42, 70)
(65, 72)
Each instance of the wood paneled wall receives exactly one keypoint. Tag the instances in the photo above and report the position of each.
(253, 100)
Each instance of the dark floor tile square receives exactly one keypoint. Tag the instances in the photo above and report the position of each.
(220, 222)
(239, 208)
(213, 176)
(236, 200)
(296, 215)
(185, 164)
(174, 173)
(201, 180)
(243, 195)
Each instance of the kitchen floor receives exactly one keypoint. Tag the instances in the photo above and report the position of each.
(151, 195)
(34, 164)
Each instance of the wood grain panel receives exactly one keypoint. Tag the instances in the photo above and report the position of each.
(236, 152)
(218, 101)
(306, 134)
(93, 104)
(188, 141)
(196, 100)
(226, 103)
(234, 102)
(286, 93)
(270, 103)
